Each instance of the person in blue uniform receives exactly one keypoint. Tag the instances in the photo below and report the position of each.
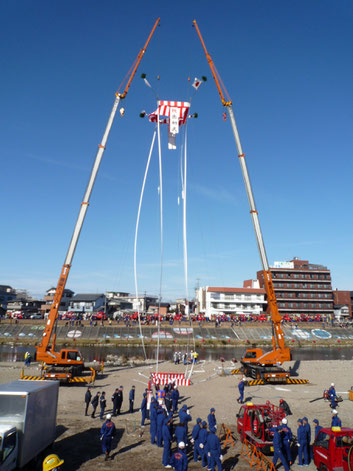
(185, 416)
(302, 443)
(336, 421)
(180, 433)
(102, 404)
(94, 403)
(307, 428)
(143, 409)
(332, 395)
(153, 420)
(278, 446)
(241, 387)
(161, 416)
(317, 428)
(214, 450)
(179, 460)
(212, 422)
(88, 397)
(167, 440)
(202, 443)
(194, 438)
(107, 434)
(287, 438)
(131, 399)
(175, 399)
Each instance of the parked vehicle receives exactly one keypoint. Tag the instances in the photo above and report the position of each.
(36, 316)
(255, 421)
(333, 449)
(27, 421)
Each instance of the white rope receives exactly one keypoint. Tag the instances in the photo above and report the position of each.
(161, 219)
(135, 245)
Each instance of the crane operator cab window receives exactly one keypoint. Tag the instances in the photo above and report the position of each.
(71, 355)
(249, 354)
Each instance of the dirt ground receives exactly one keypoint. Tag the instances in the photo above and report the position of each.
(78, 436)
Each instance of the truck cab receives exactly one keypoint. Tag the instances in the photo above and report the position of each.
(333, 449)
(8, 448)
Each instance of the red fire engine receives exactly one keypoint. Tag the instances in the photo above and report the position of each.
(333, 449)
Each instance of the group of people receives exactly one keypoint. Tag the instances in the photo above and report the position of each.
(185, 358)
(100, 399)
(283, 439)
(202, 441)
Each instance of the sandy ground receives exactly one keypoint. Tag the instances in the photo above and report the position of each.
(78, 436)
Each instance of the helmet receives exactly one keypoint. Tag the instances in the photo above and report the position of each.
(181, 445)
(109, 416)
(284, 421)
(334, 411)
(52, 462)
(332, 384)
(281, 401)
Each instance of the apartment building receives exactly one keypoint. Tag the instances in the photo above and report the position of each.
(301, 288)
(219, 301)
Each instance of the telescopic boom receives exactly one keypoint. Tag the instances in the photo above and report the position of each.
(280, 352)
(44, 348)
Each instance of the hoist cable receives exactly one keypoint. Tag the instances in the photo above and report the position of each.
(161, 224)
(135, 244)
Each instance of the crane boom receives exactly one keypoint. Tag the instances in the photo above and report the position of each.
(44, 351)
(280, 352)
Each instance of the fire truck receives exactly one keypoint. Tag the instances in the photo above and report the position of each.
(255, 421)
(333, 449)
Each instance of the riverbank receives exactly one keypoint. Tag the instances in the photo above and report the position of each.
(78, 436)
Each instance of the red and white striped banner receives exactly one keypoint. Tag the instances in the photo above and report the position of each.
(166, 107)
(166, 378)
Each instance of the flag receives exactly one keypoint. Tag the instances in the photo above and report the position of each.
(197, 83)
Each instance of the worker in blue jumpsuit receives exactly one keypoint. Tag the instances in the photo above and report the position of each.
(212, 422)
(175, 399)
(317, 428)
(185, 416)
(153, 420)
(307, 428)
(143, 409)
(161, 416)
(302, 443)
(180, 433)
(131, 399)
(277, 447)
(214, 450)
(194, 438)
(202, 443)
(332, 395)
(167, 440)
(107, 434)
(336, 421)
(287, 438)
(179, 460)
(241, 387)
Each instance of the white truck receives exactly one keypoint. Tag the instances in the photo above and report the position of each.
(27, 421)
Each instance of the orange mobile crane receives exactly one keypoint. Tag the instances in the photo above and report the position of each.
(69, 358)
(256, 363)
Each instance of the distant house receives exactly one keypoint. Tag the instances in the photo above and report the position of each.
(49, 298)
(7, 294)
(161, 308)
(87, 303)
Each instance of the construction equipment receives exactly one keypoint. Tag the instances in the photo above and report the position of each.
(69, 358)
(255, 360)
(255, 421)
(333, 449)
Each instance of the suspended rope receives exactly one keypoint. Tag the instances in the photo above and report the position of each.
(135, 245)
(161, 225)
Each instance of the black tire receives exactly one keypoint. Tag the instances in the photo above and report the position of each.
(322, 467)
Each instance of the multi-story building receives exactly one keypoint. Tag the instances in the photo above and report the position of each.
(301, 288)
(217, 301)
(87, 303)
(343, 303)
(122, 300)
(7, 294)
(49, 298)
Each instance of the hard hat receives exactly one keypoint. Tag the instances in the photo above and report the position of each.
(334, 411)
(332, 384)
(109, 416)
(181, 445)
(52, 462)
(284, 421)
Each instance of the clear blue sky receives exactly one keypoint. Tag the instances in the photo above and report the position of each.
(288, 69)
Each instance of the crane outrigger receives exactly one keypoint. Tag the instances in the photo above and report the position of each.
(256, 363)
(69, 358)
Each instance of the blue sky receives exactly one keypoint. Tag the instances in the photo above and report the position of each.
(288, 69)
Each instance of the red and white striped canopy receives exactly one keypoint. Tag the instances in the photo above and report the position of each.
(166, 108)
(166, 378)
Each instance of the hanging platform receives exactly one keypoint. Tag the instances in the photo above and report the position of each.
(165, 378)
